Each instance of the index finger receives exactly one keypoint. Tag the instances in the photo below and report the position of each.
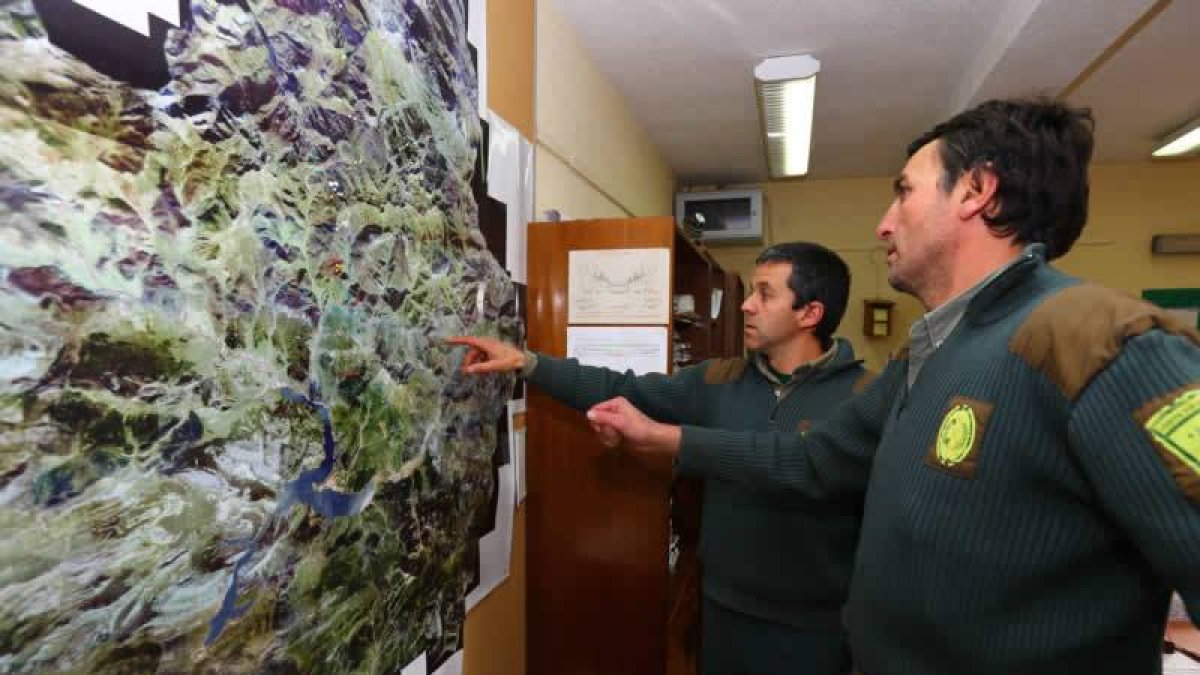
(479, 367)
(467, 340)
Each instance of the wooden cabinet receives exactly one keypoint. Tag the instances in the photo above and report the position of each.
(601, 597)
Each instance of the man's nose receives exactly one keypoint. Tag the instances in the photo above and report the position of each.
(886, 226)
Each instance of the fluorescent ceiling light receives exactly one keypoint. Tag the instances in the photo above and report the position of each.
(1182, 142)
(786, 87)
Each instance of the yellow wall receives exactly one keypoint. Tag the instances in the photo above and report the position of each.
(494, 637)
(510, 67)
(593, 158)
(1130, 202)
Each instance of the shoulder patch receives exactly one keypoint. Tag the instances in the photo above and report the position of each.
(724, 371)
(1173, 424)
(1077, 332)
(863, 381)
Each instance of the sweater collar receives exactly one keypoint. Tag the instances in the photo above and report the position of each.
(987, 306)
(931, 330)
(840, 354)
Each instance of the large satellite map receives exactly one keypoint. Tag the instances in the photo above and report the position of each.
(231, 439)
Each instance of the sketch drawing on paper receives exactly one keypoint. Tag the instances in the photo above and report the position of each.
(619, 286)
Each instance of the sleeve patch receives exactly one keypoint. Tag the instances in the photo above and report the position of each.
(1173, 424)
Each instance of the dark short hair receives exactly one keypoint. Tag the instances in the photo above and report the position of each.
(817, 274)
(1039, 151)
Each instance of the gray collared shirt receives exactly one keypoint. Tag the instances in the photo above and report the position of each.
(930, 331)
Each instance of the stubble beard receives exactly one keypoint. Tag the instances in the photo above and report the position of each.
(899, 283)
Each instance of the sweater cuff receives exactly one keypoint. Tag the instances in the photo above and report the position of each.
(701, 451)
(531, 363)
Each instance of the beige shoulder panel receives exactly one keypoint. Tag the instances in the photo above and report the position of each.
(724, 371)
(1078, 331)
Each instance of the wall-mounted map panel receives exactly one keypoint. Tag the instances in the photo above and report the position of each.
(231, 438)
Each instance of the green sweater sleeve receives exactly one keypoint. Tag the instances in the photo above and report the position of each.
(673, 399)
(1136, 432)
(832, 458)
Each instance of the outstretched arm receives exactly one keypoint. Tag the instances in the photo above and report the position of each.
(667, 398)
(832, 458)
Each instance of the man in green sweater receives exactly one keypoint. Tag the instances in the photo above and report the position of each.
(1030, 461)
(776, 571)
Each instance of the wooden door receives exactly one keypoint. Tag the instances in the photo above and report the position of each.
(597, 520)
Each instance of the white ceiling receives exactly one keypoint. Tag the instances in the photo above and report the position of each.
(890, 69)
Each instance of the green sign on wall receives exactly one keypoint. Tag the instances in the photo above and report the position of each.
(1185, 301)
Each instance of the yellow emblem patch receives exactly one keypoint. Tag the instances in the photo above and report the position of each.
(956, 435)
(1176, 428)
(959, 437)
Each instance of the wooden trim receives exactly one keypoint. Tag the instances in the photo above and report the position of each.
(510, 67)
(1116, 46)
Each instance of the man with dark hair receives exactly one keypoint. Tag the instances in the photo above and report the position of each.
(817, 275)
(776, 574)
(1030, 461)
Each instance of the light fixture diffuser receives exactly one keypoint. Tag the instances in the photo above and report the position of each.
(786, 89)
(1184, 141)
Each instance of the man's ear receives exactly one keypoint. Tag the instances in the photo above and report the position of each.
(979, 196)
(809, 316)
